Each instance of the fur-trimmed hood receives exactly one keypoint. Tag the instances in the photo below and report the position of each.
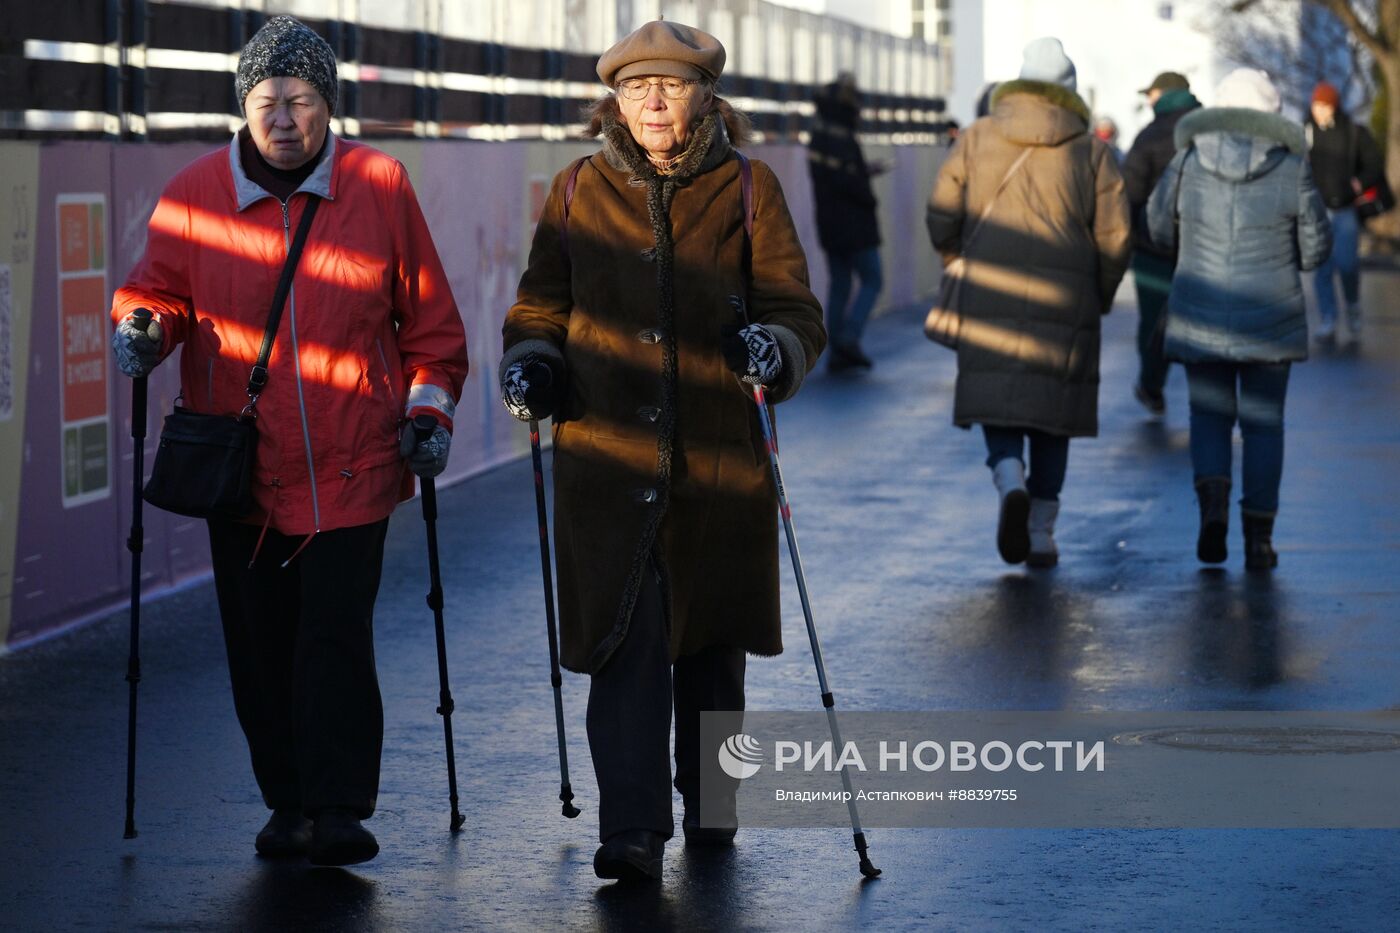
(1037, 113)
(1238, 143)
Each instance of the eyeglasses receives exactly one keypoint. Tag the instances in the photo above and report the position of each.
(671, 88)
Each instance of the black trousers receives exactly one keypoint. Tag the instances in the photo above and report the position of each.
(629, 719)
(300, 646)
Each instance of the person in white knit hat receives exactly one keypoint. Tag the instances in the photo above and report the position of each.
(1239, 200)
(1034, 205)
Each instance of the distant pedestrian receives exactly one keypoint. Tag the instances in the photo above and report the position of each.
(1041, 270)
(1106, 130)
(369, 338)
(847, 225)
(623, 331)
(1170, 96)
(1345, 162)
(1239, 201)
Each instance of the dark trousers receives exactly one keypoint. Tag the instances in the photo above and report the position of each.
(1048, 462)
(1258, 408)
(1153, 277)
(846, 325)
(629, 719)
(300, 647)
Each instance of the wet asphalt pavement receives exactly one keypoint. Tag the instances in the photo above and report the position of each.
(895, 515)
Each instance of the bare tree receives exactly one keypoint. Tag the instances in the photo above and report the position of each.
(1375, 26)
(1297, 43)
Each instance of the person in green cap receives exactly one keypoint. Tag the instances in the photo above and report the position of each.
(1170, 97)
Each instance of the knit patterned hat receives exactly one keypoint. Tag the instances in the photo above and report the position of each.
(285, 47)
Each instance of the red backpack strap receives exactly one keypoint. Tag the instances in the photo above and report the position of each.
(746, 186)
(569, 186)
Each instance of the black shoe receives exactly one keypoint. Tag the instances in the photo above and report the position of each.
(838, 362)
(1259, 553)
(856, 355)
(1213, 492)
(287, 833)
(1154, 402)
(697, 835)
(337, 838)
(630, 856)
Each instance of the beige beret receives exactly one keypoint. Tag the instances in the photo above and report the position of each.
(662, 48)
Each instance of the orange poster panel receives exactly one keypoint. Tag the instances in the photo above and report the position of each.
(74, 246)
(83, 314)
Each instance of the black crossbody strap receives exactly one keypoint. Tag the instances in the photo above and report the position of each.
(257, 379)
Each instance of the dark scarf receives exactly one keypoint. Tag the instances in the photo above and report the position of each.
(709, 146)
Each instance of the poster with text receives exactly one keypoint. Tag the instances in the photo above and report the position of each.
(83, 322)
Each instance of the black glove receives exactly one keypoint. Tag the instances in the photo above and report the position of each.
(527, 388)
(136, 343)
(752, 353)
(427, 457)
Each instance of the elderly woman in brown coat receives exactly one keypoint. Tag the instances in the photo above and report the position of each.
(1035, 205)
(624, 331)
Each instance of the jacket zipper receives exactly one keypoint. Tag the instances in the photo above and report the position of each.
(296, 358)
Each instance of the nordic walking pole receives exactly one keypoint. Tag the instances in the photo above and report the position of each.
(566, 792)
(423, 426)
(135, 543)
(828, 699)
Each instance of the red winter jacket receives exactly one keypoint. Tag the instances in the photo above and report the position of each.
(370, 331)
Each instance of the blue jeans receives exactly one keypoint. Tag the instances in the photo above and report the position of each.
(1343, 262)
(1049, 457)
(844, 327)
(1259, 410)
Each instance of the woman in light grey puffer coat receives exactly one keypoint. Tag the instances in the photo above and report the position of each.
(1240, 197)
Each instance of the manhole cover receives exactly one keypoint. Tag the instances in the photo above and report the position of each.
(1268, 741)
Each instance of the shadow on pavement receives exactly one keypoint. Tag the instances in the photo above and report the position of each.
(288, 895)
(1234, 626)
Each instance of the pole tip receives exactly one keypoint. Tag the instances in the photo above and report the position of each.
(458, 820)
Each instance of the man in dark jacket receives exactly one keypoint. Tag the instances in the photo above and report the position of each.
(846, 222)
(1345, 161)
(1171, 99)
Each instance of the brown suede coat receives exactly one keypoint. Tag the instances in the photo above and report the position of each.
(657, 452)
(1042, 270)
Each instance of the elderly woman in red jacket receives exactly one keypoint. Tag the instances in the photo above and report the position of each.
(370, 335)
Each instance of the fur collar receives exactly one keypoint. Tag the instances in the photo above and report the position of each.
(1241, 121)
(708, 148)
(1056, 94)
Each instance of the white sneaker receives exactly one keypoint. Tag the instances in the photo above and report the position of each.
(1354, 320)
(1041, 525)
(1326, 331)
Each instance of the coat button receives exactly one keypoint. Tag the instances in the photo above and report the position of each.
(644, 495)
(650, 335)
(648, 413)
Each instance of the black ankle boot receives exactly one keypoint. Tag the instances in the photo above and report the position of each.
(337, 838)
(1259, 553)
(630, 856)
(1213, 493)
(287, 833)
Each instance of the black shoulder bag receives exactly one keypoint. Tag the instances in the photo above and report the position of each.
(204, 464)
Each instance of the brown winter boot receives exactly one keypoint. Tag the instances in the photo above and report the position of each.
(1259, 553)
(1213, 492)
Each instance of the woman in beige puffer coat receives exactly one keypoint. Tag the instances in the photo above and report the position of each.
(1041, 269)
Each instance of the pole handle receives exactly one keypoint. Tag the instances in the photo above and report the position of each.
(143, 318)
(423, 427)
